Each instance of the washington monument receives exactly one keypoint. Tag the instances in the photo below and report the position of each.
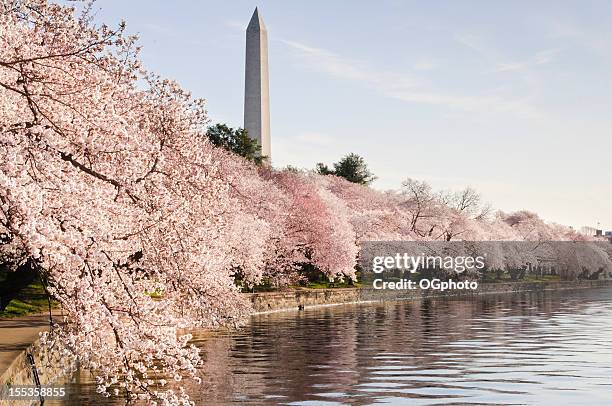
(256, 94)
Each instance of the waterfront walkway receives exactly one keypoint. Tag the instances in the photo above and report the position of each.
(18, 333)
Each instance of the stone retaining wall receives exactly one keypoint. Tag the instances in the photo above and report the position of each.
(302, 298)
(21, 371)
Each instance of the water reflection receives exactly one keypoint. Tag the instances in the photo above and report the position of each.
(530, 348)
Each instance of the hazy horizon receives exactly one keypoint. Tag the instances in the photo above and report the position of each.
(510, 99)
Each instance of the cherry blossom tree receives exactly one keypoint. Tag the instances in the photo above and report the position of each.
(267, 255)
(374, 215)
(420, 204)
(318, 226)
(112, 192)
(467, 201)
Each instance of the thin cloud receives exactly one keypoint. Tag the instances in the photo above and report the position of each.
(494, 56)
(405, 86)
(585, 37)
(541, 58)
(478, 45)
(328, 62)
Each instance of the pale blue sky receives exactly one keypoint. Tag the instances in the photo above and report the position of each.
(513, 98)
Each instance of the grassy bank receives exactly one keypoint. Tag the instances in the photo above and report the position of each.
(29, 300)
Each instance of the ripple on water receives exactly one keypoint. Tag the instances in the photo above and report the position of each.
(529, 348)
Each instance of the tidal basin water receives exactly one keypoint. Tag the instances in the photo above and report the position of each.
(551, 348)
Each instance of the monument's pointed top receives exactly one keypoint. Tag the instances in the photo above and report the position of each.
(256, 22)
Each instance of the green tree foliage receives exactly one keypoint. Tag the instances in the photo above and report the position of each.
(352, 168)
(323, 169)
(236, 141)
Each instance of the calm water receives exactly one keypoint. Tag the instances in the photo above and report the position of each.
(531, 348)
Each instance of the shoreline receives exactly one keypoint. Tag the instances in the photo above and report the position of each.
(303, 298)
(19, 371)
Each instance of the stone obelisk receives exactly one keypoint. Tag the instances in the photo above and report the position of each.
(256, 93)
